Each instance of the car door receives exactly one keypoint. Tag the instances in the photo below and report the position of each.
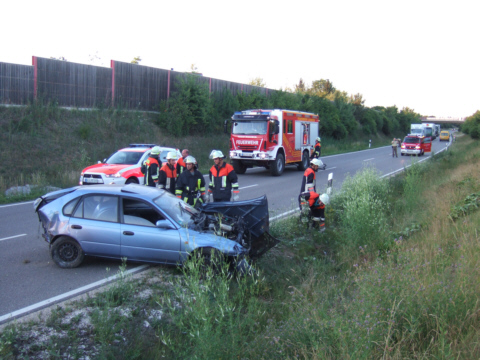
(427, 144)
(140, 238)
(94, 224)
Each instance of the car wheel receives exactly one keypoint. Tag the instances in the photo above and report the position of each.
(131, 180)
(278, 165)
(239, 167)
(67, 253)
(304, 164)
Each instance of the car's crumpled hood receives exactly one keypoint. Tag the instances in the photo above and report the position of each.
(254, 213)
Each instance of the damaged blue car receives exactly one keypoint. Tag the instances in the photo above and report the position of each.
(146, 224)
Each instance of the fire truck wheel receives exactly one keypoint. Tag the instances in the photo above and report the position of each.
(239, 167)
(304, 164)
(276, 169)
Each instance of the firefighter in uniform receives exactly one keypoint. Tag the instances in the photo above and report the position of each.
(152, 167)
(223, 179)
(191, 184)
(168, 174)
(309, 178)
(181, 162)
(317, 207)
(318, 149)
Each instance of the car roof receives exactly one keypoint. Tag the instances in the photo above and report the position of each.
(142, 190)
(145, 148)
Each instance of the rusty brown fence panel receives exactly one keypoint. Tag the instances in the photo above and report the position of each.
(71, 84)
(16, 84)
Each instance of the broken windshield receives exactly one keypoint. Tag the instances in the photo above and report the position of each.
(249, 127)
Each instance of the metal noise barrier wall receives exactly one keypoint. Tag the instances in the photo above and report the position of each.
(16, 84)
(126, 85)
(71, 84)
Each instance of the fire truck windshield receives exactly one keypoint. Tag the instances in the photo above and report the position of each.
(249, 127)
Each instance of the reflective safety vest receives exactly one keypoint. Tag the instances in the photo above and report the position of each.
(222, 181)
(314, 201)
(167, 177)
(181, 166)
(152, 172)
(308, 181)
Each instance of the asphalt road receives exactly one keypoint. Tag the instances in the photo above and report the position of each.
(28, 276)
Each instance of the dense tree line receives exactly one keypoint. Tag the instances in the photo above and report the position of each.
(471, 126)
(193, 110)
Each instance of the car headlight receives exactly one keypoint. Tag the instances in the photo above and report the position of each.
(232, 153)
(262, 155)
(117, 175)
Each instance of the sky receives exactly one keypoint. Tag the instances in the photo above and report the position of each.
(418, 54)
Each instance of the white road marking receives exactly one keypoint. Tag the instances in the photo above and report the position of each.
(249, 186)
(24, 203)
(66, 295)
(369, 159)
(12, 237)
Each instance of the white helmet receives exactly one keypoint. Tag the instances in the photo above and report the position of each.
(190, 160)
(317, 162)
(156, 150)
(318, 139)
(324, 198)
(216, 154)
(171, 156)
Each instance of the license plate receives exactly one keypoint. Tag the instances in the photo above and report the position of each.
(92, 181)
(247, 154)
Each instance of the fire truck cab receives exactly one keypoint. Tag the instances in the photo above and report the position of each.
(272, 139)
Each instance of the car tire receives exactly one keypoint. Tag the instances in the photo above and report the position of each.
(239, 167)
(278, 165)
(66, 252)
(304, 164)
(402, 154)
(131, 180)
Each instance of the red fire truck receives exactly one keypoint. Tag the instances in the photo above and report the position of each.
(272, 139)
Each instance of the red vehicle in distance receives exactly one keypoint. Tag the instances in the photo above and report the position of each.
(416, 145)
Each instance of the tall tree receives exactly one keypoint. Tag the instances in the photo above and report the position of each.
(321, 88)
(300, 87)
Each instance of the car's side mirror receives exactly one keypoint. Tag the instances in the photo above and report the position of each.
(164, 224)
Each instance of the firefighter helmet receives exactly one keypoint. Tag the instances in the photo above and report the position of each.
(324, 198)
(190, 160)
(318, 139)
(171, 156)
(317, 162)
(216, 154)
(156, 151)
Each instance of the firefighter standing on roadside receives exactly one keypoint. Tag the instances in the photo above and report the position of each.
(318, 149)
(223, 179)
(309, 178)
(190, 185)
(168, 174)
(152, 167)
(181, 162)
